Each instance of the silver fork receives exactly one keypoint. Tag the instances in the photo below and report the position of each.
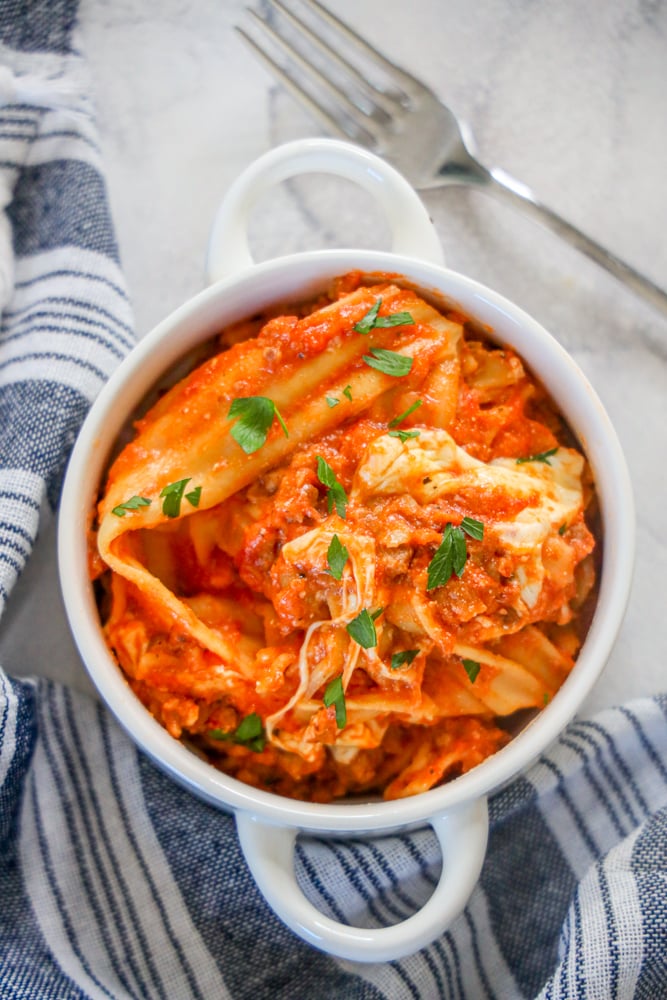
(398, 117)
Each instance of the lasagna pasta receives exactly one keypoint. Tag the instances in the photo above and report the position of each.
(348, 550)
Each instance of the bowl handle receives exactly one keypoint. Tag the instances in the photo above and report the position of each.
(413, 233)
(269, 852)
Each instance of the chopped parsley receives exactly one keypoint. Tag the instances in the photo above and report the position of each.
(134, 503)
(388, 362)
(472, 668)
(473, 528)
(250, 728)
(406, 413)
(372, 320)
(337, 556)
(452, 552)
(249, 733)
(347, 392)
(367, 322)
(542, 456)
(403, 435)
(255, 415)
(332, 401)
(194, 496)
(449, 558)
(403, 658)
(173, 494)
(336, 495)
(334, 695)
(362, 628)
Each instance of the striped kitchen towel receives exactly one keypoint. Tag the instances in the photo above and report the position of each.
(117, 883)
(66, 320)
(114, 881)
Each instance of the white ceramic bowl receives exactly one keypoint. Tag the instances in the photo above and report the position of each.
(268, 824)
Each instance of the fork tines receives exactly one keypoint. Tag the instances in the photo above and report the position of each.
(303, 52)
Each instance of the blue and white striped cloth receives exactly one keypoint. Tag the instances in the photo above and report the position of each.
(115, 882)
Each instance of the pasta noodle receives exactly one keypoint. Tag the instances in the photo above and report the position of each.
(347, 554)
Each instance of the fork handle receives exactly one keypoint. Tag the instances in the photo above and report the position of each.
(498, 183)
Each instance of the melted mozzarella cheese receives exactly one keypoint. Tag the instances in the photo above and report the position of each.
(433, 466)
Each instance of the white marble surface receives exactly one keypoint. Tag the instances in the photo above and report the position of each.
(570, 98)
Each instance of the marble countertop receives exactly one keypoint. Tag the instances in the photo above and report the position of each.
(571, 99)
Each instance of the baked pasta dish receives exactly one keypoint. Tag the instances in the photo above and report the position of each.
(349, 549)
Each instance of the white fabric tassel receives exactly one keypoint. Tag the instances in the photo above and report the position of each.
(41, 92)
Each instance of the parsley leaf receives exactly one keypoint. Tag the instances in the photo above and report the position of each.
(173, 494)
(134, 503)
(406, 413)
(194, 496)
(366, 324)
(542, 456)
(255, 415)
(395, 319)
(337, 556)
(332, 401)
(335, 493)
(403, 435)
(405, 656)
(249, 728)
(472, 668)
(362, 628)
(449, 558)
(248, 733)
(334, 695)
(372, 321)
(347, 392)
(389, 362)
(473, 528)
